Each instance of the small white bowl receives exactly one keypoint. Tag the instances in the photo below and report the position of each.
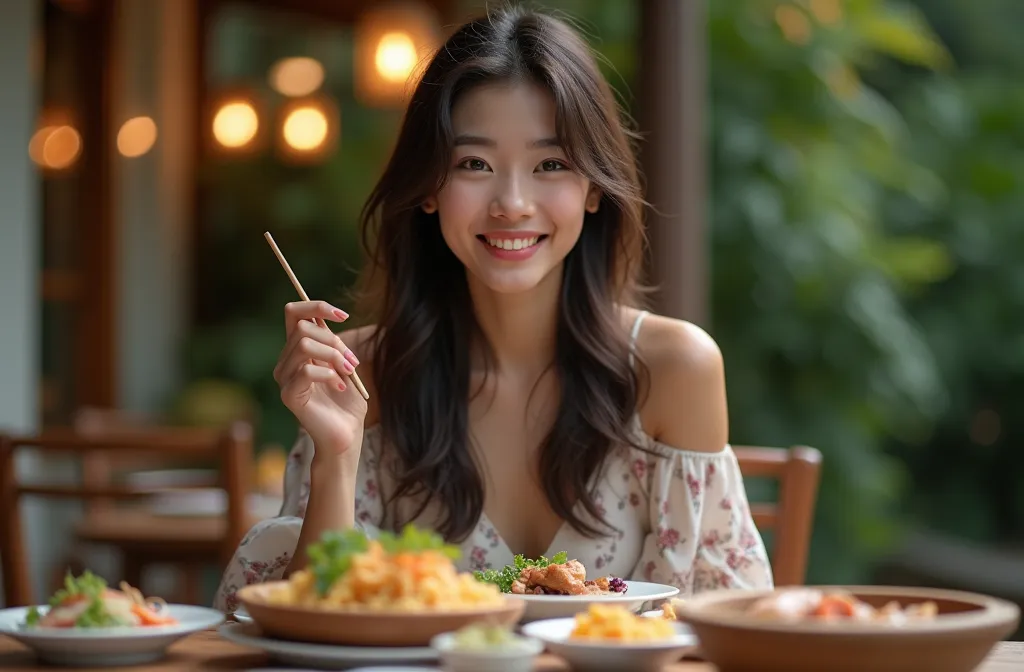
(599, 656)
(518, 659)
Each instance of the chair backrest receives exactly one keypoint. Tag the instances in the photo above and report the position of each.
(797, 471)
(101, 467)
(232, 448)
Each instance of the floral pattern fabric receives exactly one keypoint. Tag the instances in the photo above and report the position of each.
(681, 518)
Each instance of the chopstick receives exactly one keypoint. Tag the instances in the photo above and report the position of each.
(304, 297)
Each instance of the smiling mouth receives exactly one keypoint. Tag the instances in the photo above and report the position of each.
(512, 243)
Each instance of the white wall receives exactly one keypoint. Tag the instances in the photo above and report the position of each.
(152, 196)
(19, 243)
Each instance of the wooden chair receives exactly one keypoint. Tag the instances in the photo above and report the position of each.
(797, 471)
(142, 537)
(99, 468)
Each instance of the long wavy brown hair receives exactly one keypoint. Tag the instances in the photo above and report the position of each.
(415, 288)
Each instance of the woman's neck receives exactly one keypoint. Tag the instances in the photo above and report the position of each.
(520, 328)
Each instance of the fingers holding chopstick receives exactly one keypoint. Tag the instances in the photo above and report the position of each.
(297, 312)
(307, 343)
(326, 310)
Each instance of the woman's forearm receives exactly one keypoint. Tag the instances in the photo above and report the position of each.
(331, 504)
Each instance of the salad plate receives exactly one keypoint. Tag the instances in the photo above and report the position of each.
(325, 656)
(87, 624)
(113, 646)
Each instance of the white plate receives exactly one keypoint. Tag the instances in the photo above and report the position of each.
(106, 647)
(562, 606)
(325, 656)
(600, 656)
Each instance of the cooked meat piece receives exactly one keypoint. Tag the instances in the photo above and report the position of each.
(563, 579)
(575, 569)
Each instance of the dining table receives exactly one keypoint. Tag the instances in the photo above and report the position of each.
(207, 650)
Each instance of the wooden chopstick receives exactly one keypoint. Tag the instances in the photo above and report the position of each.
(304, 297)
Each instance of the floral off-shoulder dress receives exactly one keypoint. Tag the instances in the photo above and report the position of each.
(681, 518)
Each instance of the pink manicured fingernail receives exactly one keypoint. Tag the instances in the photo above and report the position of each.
(342, 387)
(351, 356)
(340, 314)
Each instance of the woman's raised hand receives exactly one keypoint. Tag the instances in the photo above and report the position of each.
(313, 373)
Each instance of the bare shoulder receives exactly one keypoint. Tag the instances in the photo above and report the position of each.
(360, 341)
(686, 406)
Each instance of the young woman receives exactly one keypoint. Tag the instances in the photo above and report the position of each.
(519, 403)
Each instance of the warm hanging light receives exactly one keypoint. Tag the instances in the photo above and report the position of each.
(393, 42)
(62, 147)
(136, 137)
(395, 57)
(235, 124)
(308, 129)
(298, 76)
(55, 147)
(305, 128)
(35, 145)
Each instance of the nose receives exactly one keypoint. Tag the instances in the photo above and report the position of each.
(513, 201)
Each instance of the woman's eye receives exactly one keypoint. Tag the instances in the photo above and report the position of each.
(552, 165)
(473, 164)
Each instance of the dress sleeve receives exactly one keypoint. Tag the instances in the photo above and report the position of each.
(702, 536)
(266, 550)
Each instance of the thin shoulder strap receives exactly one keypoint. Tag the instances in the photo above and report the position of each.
(634, 332)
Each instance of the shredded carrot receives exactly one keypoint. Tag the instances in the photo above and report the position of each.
(148, 617)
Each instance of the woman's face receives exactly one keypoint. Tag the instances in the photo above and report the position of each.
(513, 206)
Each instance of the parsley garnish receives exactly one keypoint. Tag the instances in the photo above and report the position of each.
(504, 577)
(89, 586)
(331, 557)
(97, 616)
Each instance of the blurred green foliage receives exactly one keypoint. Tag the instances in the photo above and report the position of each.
(969, 128)
(808, 282)
(864, 200)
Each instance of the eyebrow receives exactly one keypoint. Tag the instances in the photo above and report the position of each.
(481, 141)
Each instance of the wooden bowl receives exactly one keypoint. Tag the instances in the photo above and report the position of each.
(957, 640)
(363, 627)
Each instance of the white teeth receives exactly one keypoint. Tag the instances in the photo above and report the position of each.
(513, 243)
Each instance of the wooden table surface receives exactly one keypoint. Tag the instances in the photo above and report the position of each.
(209, 651)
